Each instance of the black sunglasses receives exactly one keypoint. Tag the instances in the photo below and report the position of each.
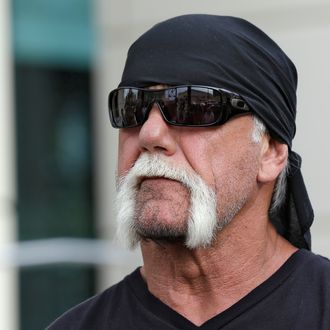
(196, 106)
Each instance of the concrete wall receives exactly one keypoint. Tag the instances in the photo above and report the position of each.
(302, 29)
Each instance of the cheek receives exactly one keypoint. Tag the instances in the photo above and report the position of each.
(236, 175)
(128, 151)
(234, 155)
(200, 156)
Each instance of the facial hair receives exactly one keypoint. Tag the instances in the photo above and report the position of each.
(201, 224)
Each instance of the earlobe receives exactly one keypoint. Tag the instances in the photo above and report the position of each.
(273, 159)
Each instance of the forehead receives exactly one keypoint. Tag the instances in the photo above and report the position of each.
(158, 86)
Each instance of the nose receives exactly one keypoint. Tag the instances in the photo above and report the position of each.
(156, 135)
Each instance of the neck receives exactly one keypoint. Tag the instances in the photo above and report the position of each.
(202, 283)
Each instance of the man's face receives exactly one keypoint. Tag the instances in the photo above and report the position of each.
(224, 157)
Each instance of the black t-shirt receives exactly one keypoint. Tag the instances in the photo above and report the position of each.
(297, 296)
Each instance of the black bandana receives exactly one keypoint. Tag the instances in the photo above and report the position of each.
(230, 53)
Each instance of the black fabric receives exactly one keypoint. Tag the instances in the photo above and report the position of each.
(230, 53)
(295, 217)
(297, 296)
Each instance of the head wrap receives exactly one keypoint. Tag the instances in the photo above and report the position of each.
(231, 53)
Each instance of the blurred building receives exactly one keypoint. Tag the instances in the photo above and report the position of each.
(58, 61)
(52, 49)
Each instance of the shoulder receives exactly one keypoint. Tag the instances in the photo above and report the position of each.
(314, 263)
(312, 272)
(96, 311)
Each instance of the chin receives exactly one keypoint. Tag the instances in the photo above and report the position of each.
(162, 232)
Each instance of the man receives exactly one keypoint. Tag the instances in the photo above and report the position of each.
(215, 196)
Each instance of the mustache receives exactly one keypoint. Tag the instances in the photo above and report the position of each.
(155, 166)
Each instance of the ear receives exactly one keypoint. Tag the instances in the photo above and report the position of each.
(273, 159)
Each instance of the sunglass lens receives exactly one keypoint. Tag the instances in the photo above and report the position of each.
(126, 107)
(194, 106)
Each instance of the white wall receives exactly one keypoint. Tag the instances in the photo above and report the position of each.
(8, 280)
(302, 29)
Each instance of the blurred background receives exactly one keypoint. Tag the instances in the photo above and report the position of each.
(58, 61)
